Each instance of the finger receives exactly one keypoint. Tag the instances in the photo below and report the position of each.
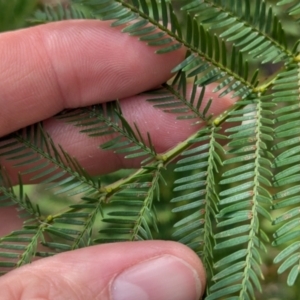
(165, 131)
(68, 64)
(154, 270)
(9, 220)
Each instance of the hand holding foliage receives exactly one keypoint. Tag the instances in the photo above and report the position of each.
(229, 181)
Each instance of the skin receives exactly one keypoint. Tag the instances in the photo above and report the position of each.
(69, 64)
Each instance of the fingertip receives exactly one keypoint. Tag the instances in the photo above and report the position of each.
(164, 277)
(153, 270)
(70, 64)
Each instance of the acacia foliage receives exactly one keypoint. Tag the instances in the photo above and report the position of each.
(228, 182)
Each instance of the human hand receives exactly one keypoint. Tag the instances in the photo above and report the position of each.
(79, 63)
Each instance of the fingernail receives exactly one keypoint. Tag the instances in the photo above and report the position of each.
(163, 278)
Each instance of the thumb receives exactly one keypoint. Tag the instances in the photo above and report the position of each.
(152, 270)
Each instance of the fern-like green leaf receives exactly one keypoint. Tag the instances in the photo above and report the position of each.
(293, 10)
(58, 12)
(136, 214)
(261, 36)
(225, 179)
(241, 204)
(44, 161)
(107, 119)
(197, 196)
(286, 94)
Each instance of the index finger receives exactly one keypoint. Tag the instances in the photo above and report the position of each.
(69, 64)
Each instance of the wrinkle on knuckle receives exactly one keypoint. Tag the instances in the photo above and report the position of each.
(37, 286)
(32, 284)
(9, 290)
(48, 43)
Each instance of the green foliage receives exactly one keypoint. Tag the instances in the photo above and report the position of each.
(231, 184)
(13, 13)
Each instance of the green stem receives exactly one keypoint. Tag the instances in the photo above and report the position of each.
(164, 158)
